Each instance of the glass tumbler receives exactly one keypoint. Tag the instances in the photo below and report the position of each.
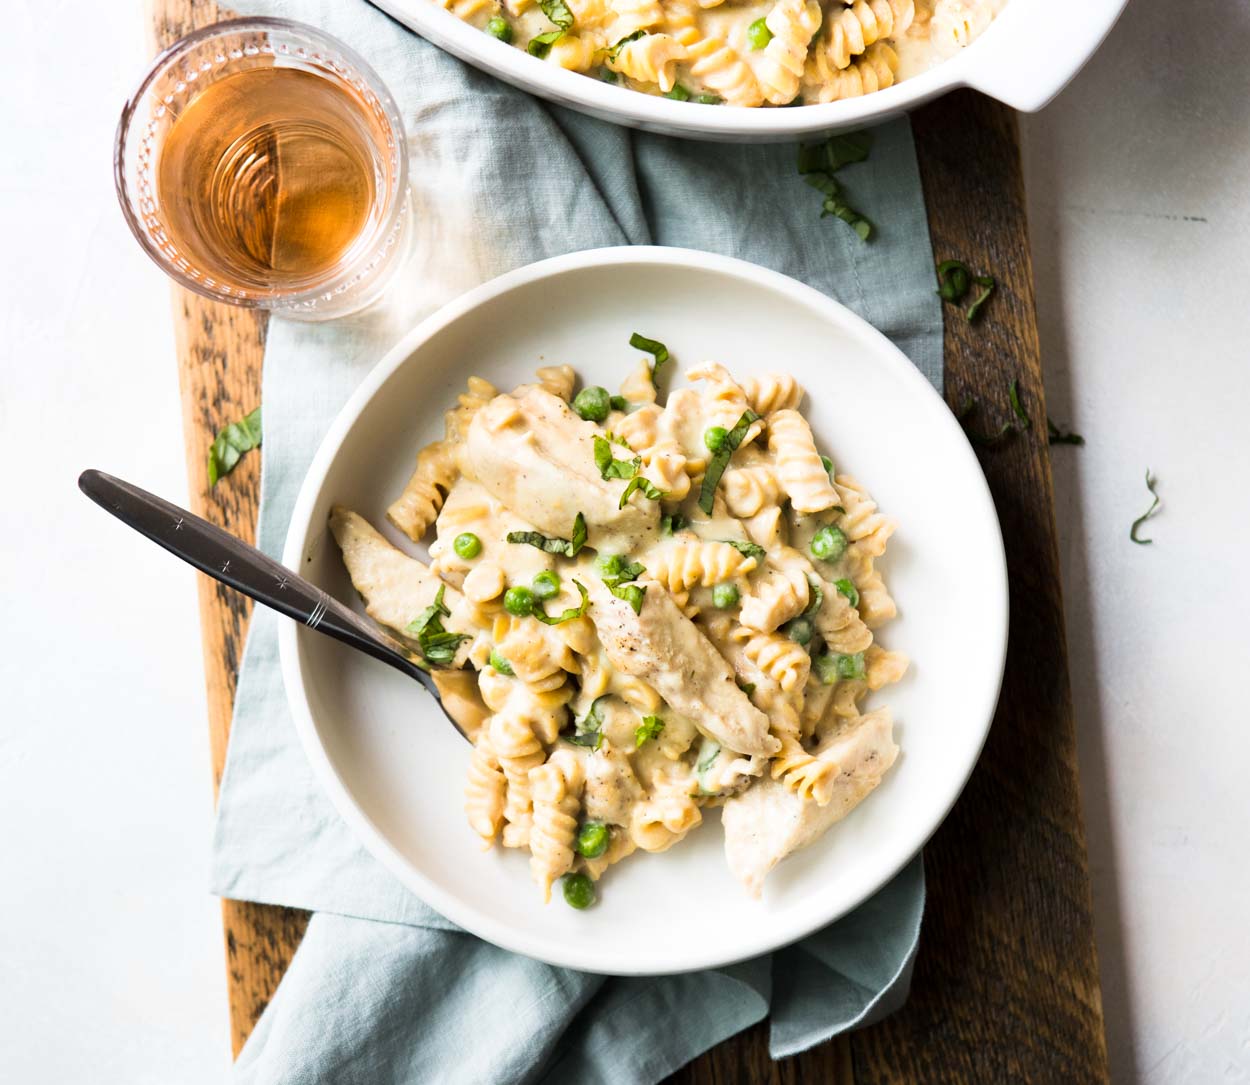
(262, 163)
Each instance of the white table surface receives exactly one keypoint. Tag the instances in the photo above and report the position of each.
(110, 947)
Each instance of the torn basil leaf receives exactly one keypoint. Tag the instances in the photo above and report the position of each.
(610, 467)
(588, 731)
(720, 459)
(630, 593)
(746, 549)
(540, 44)
(649, 490)
(653, 347)
(230, 444)
(568, 547)
(567, 615)
(1154, 505)
(650, 728)
(436, 644)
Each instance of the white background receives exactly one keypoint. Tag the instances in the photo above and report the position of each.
(111, 957)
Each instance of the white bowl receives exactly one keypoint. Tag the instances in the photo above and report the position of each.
(1026, 57)
(394, 767)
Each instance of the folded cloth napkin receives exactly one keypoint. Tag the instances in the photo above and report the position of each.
(383, 989)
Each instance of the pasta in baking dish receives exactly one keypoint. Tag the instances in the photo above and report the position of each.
(738, 52)
(638, 610)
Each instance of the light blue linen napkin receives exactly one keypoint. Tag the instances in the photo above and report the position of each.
(383, 989)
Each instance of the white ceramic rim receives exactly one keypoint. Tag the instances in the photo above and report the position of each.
(1026, 57)
(752, 943)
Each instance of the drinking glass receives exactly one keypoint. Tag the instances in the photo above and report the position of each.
(285, 183)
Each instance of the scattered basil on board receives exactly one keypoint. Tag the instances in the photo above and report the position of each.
(230, 444)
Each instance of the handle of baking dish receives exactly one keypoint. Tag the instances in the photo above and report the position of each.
(1035, 47)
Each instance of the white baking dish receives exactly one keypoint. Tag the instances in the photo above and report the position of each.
(1026, 57)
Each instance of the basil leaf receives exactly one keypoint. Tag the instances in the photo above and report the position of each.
(568, 615)
(720, 459)
(436, 644)
(671, 523)
(653, 347)
(500, 664)
(708, 753)
(986, 281)
(650, 727)
(230, 444)
(969, 406)
(616, 438)
(678, 93)
(847, 587)
(649, 490)
(1013, 395)
(827, 464)
(613, 468)
(746, 549)
(747, 687)
(630, 593)
(588, 731)
(1056, 436)
(816, 596)
(540, 44)
(558, 12)
(1150, 485)
(818, 162)
(433, 612)
(568, 547)
(954, 280)
(618, 403)
(615, 51)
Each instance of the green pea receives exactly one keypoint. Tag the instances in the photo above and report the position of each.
(609, 565)
(468, 545)
(758, 34)
(546, 585)
(592, 839)
(851, 666)
(500, 664)
(518, 601)
(714, 438)
(579, 891)
(828, 544)
(847, 588)
(725, 596)
(800, 631)
(593, 403)
(498, 27)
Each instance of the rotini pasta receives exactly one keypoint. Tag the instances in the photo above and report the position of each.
(746, 54)
(631, 656)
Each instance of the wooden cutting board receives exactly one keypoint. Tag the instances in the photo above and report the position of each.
(1006, 983)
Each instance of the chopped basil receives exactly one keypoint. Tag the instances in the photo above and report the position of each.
(709, 99)
(568, 547)
(827, 464)
(678, 93)
(955, 279)
(588, 731)
(500, 664)
(608, 75)
(746, 549)
(436, 644)
(567, 615)
(653, 347)
(720, 459)
(613, 468)
(612, 569)
(671, 523)
(747, 687)
(617, 439)
(540, 45)
(1056, 436)
(629, 593)
(558, 12)
(618, 403)
(649, 490)
(818, 162)
(230, 444)
(650, 727)
(1154, 505)
(847, 587)
(615, 51)
(816, 597)
(970, 405)
(1013, 394)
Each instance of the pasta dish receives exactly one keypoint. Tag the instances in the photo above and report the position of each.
(639, 607)
(738, 52)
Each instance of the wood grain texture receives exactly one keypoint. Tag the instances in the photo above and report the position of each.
(1006, 984)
